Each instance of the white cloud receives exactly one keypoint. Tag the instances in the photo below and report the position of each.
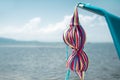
(33, 23)
(96, 28)
(94, 25)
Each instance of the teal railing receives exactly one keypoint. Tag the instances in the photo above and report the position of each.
(112, 21)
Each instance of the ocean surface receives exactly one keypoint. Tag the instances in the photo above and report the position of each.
(47, 61)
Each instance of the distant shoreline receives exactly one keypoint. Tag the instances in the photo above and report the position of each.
(45, 44)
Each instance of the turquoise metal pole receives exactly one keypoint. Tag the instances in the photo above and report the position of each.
(112, 21)
(68, 71)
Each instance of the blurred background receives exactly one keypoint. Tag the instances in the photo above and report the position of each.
(31, 44)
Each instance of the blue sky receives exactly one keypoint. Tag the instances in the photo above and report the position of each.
(45, 20)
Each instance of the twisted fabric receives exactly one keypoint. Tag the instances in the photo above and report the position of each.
(75, 37)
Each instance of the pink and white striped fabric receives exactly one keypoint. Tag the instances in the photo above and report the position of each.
(75, 37)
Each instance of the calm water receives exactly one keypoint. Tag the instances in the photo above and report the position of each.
(47, 62)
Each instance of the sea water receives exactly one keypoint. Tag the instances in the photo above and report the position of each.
(47, 62)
